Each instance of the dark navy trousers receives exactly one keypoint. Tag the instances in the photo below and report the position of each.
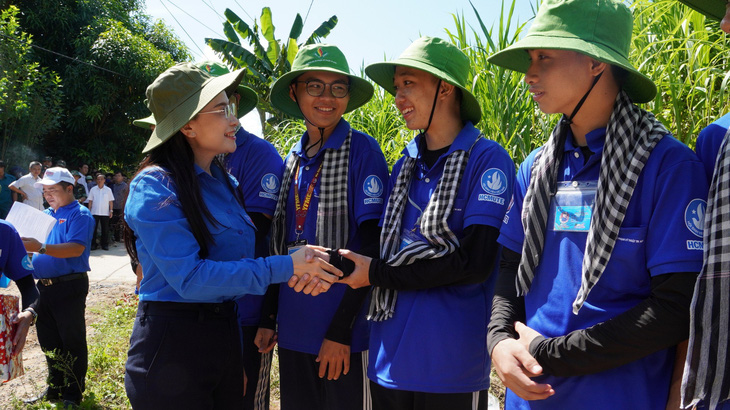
(185, 356)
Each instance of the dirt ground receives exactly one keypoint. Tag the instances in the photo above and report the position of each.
(34, 362)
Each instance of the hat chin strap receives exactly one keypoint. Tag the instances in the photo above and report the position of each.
(433, 108)
(569, 120)
(321, 129)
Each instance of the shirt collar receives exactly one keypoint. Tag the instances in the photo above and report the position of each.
(334, 141)
(242, 136)
(595, 140)
(464, 140)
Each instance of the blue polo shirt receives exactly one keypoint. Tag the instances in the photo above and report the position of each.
(74, 224)
(303, 319)
(258, 167)
(168, 251)
(708, 143)
(661, 233)
(707, 148)
(435, 341)
(14, 261)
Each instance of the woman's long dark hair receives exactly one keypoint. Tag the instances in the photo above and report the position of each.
(176, 157)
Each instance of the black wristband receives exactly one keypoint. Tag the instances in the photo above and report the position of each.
(338, 261)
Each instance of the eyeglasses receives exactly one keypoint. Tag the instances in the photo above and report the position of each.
(228, 110)
(316, 88)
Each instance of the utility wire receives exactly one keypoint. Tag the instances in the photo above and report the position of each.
(183, 29)
(62, 55)
(192, 17)
(210, 6)
(307, 15)
(244, 10)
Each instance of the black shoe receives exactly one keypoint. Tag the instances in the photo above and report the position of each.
(46, 395)
(94, 247)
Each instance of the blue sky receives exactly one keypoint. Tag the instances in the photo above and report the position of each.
(367, 31)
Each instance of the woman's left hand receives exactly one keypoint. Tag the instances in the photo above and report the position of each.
(21, 322)
(360, 277)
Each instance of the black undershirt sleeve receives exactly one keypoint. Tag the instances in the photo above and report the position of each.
(263, 226)
(340, 329)
(658, 322)
(507, 307)
(28, 292)
(470, 263)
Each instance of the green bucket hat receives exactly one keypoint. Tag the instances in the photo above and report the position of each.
(710, 8)
(318, 57)
(145, 122)
(437, 57)
(179, 93)
(249, 99)
(600, 29)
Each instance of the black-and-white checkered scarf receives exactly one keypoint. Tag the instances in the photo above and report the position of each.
(440, 240)
(631, 135)
(706, 369)
(333, 227)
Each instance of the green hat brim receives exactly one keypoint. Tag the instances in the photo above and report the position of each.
(382, 74)
(248, 102)
(360, 91)
(639, 87)
(187, 109)
(145, 122)
(710, 8)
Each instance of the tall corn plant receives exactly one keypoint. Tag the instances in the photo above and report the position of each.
(686, 56)
(380, 118)
(508, 114)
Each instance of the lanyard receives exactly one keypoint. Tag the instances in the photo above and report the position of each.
(303, 208)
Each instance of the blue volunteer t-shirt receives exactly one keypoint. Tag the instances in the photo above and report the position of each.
(707, 148)
(436, 340)
(661, 233)
(708, 143)
(258, 167)
(303, 319)
(14, 261)
(168, 251)
(74, 224)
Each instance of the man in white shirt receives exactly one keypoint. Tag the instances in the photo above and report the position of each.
(24, 187)
(101, 201)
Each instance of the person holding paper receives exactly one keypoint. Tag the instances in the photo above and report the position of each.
(15, 265)
(61, 268)
(25, 187)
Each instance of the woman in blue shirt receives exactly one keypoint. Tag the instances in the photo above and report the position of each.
(186, 226)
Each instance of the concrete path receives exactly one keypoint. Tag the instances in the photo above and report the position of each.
(111, 267)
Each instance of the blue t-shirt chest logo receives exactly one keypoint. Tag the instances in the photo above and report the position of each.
(494, 181)
(373, 186)
(270, 183)
(694, 216)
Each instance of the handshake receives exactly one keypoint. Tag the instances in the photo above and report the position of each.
(316, 268)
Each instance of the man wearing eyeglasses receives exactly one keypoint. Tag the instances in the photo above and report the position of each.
(331, 195)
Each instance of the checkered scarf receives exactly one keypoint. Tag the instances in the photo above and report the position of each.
(631, 135)
(332, 217)
(707, 368)
(440, 240)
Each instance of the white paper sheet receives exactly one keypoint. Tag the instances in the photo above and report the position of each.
(30, 222)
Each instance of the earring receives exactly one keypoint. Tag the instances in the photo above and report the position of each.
(192, 134)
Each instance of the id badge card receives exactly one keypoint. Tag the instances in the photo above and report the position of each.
(572, 206)
(296, 245)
